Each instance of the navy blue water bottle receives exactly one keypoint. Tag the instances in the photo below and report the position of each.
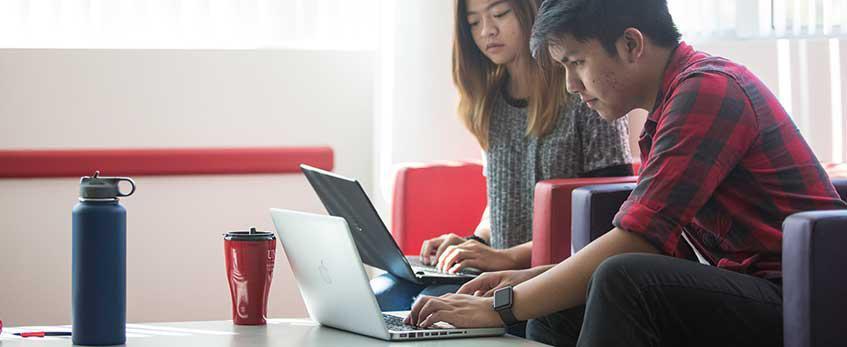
(98, 274)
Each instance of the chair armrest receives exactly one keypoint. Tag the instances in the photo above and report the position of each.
(436, 198)
(840, 186)
(814, 278)
(551, 221)
(594, 208)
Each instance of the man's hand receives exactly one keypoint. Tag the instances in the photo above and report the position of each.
(437, 245)
(487, 283)
(461, 311)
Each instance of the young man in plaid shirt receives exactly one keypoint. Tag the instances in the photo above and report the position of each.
(695, 255)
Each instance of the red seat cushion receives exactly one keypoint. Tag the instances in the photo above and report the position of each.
(434, 199)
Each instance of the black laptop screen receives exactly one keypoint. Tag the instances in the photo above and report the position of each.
(345, 198)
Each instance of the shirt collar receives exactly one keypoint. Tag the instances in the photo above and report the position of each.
(679, 59)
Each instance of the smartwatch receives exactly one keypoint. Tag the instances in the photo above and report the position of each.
(503, 305)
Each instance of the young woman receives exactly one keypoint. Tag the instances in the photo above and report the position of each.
(529, 128)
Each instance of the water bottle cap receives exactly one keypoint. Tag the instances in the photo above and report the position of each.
(98, 187)
(252, 235)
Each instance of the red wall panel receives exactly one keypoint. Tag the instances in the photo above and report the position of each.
(141, 162)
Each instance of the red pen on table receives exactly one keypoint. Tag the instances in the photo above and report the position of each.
(38, 333)
(44, 333)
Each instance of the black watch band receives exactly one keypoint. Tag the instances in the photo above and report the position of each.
(508, 317)
(477, 239)
(503, 305)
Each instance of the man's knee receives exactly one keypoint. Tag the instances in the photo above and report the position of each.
(539, 325)
(558, 329)
(620, 272)
(543, 330)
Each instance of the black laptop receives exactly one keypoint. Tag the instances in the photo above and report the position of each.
(345, 198)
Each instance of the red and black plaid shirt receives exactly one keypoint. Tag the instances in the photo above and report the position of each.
(722, 161)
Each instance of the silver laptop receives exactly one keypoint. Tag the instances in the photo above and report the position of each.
(334, 284)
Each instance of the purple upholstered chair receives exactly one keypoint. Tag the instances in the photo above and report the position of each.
(814, 261)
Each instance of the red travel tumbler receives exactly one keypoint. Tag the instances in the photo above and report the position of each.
(250, 259)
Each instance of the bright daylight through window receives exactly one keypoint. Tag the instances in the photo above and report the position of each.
(330, 24)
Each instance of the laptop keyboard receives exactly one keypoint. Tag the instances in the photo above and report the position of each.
(416, 262)
(396, 323)
(418, 265)
(433, 269)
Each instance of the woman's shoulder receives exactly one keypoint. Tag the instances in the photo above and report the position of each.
(575, 109)
(579, 113)
(575, 115)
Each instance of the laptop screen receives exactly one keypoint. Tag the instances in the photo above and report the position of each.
(345, 198)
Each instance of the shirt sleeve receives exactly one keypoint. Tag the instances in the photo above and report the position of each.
(702, 133)
(604, 143)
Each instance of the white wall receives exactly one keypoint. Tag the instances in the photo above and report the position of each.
(425, 123)
(416, 99)
(169, 98)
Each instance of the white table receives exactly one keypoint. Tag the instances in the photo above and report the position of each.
(278, 332)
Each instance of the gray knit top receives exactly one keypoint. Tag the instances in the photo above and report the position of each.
(580, 142)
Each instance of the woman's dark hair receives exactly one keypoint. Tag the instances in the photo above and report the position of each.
(604, 20)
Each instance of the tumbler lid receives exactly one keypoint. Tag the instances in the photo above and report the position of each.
(99, 187)
(252, 235)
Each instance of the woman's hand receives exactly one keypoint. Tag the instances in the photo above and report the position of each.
(461, 311)
(432, 249)
(476, 255)
(487, 283)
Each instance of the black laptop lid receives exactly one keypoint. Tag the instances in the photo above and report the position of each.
(345, 198)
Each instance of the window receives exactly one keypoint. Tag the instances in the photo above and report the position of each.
(759, 18)
(336, 24)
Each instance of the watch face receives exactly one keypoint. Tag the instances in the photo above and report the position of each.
(502, 298)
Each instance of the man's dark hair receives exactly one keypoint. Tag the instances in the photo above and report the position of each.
(604, 20)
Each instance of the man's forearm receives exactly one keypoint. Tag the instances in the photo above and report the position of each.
(564, 286)
(541, 269)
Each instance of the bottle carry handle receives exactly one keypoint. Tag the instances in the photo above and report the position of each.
(131, 183)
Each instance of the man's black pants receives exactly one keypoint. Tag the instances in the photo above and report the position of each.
(654, 300)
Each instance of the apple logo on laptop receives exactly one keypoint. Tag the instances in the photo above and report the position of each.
(324, 271)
